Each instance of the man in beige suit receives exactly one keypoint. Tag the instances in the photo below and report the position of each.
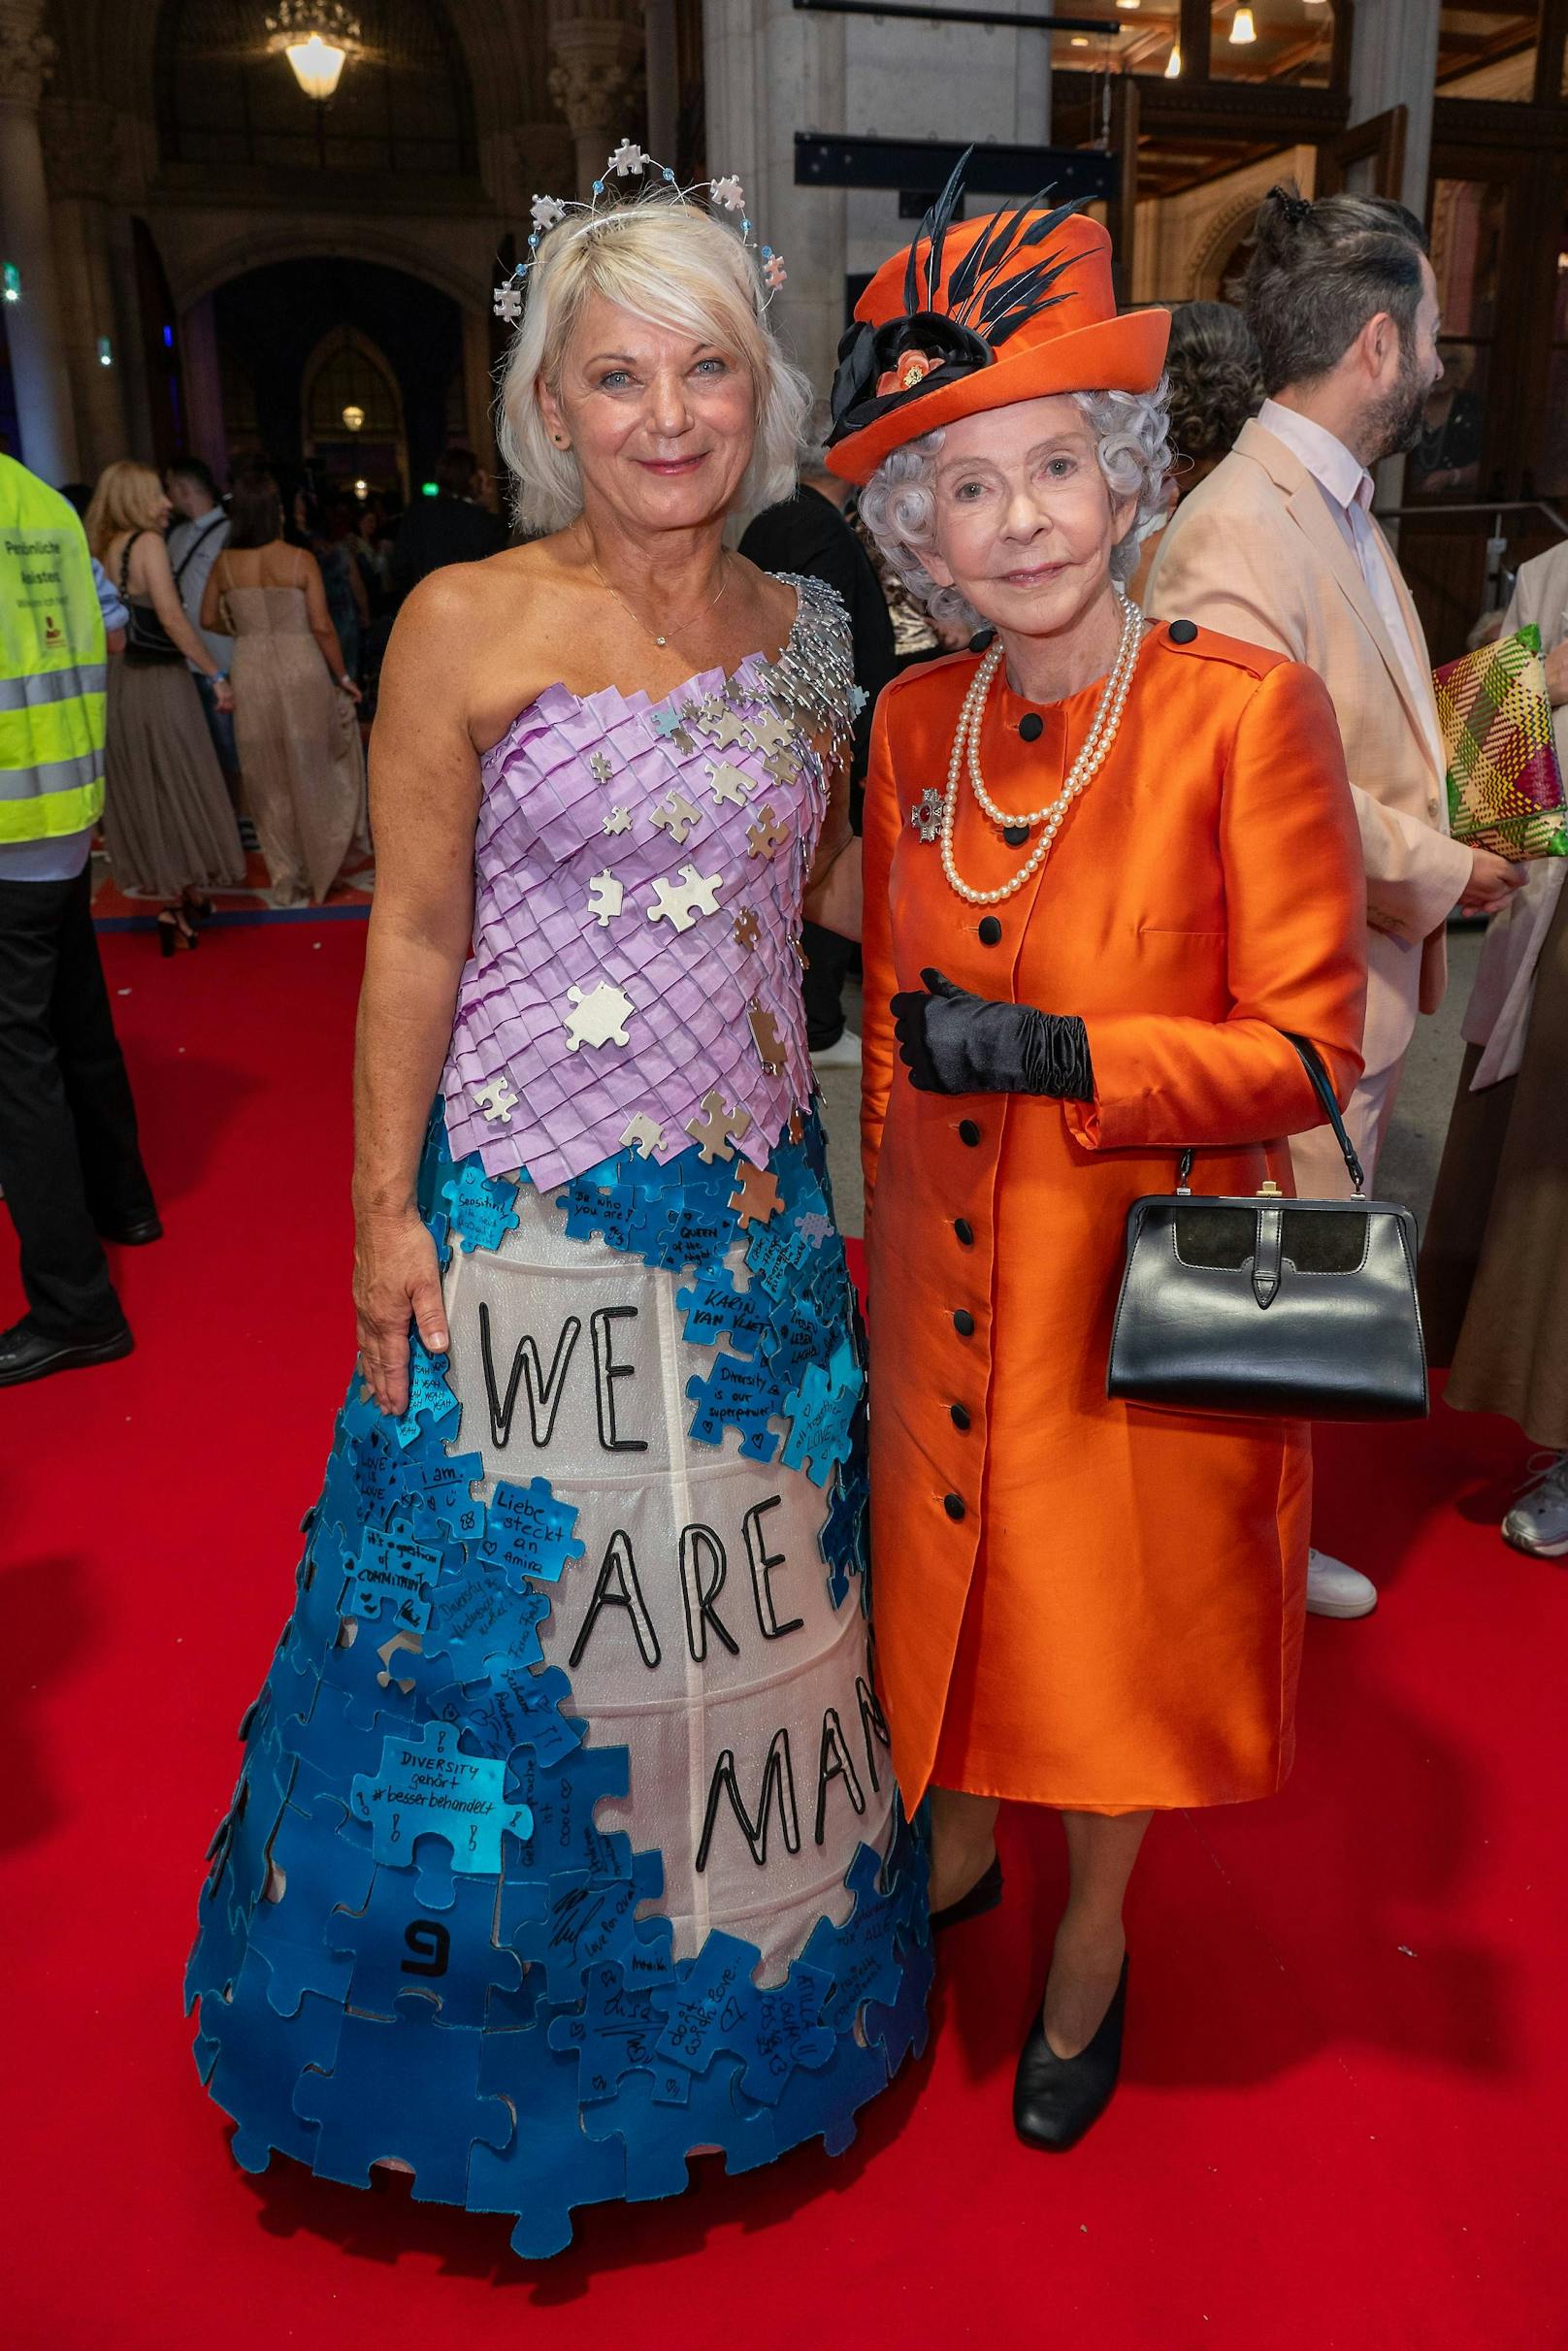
(1279, 547)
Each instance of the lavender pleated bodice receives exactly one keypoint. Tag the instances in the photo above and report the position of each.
(634, 979)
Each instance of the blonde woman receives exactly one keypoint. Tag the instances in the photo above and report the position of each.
(572, 1742)
(167, 824)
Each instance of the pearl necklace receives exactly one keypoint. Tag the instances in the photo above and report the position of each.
(1084, 768)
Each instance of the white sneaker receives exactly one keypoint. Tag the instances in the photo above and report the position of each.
(1334, 1589)
(844, 1055)
(1538, 1521)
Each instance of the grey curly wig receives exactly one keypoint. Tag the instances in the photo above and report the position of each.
(899, 504)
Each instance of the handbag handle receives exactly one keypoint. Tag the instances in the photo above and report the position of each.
(1325, 1092)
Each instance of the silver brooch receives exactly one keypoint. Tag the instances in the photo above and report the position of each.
(926, 814)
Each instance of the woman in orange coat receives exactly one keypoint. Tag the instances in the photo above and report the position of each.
(1107, 867)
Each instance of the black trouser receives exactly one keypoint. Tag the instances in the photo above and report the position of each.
(822, 984)
(69, 1161)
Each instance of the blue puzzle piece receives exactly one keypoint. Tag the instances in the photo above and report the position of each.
(708, 1990)
(658, 2137)
(478, 1617)
(795, 1338)
(338, 1738)
(589, 1923)
(860, 1956)
(550, 2165)
(515, 1708)
(433, 1408)
(261, 2055)
(821, 1411)
(735, 1394)
(446, 1484)
(613, 2035)
(392, 1945)
(777, 1258)
(690, 1235)
(313, 1867)
(841, 1537)
(428, 1792)
(903, 2027)
(391, 1580)
(716, 1309)
(483, 1208)
(823, 2104)
(409, 2090)
(528, 1530)
(564, 1839)
(608, 1213)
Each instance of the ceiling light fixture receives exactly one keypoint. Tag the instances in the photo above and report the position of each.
(1242, 28)
(353, 417)
(318, 38)
(1173, 63)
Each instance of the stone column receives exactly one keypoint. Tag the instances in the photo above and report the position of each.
(596, 52)
(1394, 62)
(79, 148)
(33, 330)
(206, 432)
(769, 71)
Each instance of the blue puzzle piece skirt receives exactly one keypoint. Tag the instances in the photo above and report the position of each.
(566, 1843)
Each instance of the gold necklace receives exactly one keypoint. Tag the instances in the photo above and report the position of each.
(636, 615)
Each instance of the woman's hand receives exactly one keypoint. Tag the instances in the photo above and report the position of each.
(223, 693)
(396, 1282)
(346, 686)
(954, 1042)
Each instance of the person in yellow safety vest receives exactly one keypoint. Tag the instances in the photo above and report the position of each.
(70, 1166)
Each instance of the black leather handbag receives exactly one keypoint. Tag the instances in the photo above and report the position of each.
(147, 642)
(1295, 1309)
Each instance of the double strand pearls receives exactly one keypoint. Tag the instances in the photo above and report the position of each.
(1084, 768)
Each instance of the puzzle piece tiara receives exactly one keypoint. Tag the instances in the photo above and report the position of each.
(725, 197)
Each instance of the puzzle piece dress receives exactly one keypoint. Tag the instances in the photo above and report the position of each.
(566, 1842)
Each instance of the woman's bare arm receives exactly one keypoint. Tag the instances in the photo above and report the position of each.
(833, 889)
(150, 557)
(320, 618)
(424, 779)
(212, 602)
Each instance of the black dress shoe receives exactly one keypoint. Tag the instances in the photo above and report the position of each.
(1056, 2099)
(984, 1895)
(136, 1235)
(26, 1353)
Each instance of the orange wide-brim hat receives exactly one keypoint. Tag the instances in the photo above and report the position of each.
(1020, 306)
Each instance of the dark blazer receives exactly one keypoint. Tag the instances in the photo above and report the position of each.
(808, 533)
(440, 531)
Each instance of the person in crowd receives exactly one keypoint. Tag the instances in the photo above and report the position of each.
(70, 1164)
(294, 699)
(327, 544)
(168, 823)
(1213, 383)
(1108, 869)
(450, 528)
(1494, 1261)
(1278, 548)
(808, 534)
(610, 777)
(196, 539)
(372, 550)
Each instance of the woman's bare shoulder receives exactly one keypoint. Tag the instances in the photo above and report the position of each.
(468, 595)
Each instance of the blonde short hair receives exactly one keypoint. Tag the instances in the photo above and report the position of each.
(669, 262)
(128, 498)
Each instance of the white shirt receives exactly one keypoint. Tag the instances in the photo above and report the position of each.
(1347, 488)
(206, 535)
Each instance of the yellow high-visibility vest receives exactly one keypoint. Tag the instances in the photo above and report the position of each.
(53, 666)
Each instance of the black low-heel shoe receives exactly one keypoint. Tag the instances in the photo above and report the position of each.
(984, 1895)
(1056, 2099)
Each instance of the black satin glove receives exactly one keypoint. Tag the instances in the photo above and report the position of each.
(958, 1043)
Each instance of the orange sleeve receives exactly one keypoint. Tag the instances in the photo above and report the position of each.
(1295, 947)
(878, 1057)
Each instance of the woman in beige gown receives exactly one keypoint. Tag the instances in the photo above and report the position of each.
(167, 824)
(294, 718)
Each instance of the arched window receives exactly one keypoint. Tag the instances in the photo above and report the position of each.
(352, 419)
(404, 105)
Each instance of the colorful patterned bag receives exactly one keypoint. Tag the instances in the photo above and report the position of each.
(1504, 786)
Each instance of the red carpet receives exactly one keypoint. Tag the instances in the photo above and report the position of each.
(1342, 2118)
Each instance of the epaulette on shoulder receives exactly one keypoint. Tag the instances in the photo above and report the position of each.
(1207, 645)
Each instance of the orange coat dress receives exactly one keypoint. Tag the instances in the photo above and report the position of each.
(1082, 1602)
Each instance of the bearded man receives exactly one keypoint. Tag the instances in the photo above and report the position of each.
(1279, 547)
